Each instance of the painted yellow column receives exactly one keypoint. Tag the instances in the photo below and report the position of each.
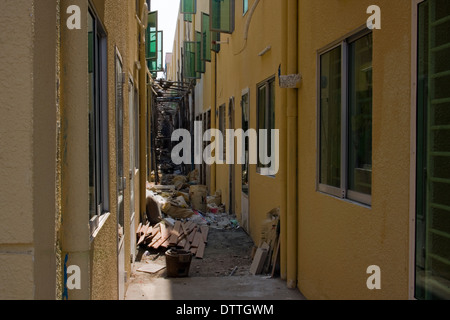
(75, 232)
(142, 125)
(213, 115)
(292, 158)
(283, 102)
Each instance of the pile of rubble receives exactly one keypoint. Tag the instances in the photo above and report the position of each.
(180, 214)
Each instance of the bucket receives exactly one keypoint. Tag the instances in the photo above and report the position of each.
(199, 198)
(178, 263)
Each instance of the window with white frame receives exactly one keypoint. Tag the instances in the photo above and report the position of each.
(98, 122)
(345, 119)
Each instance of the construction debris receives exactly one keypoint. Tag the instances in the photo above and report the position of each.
(267, 254)
(185, 235)
(180, 214)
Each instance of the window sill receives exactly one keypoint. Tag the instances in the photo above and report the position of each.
(347, 200)
(102, 220)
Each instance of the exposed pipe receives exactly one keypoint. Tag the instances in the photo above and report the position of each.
(142, 122)
(283, 103)
(247, 25)
(292, 146)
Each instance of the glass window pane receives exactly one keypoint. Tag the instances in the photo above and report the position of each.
(330, 118)
(222, 15)
(160, 51)
(433, 152)
(153, 21)
(189, 6)
(271, 112)
(360, 116)
(190, 48)
(206, 38)
(200, 65)
(152, 45)
(262, 121)
(245, 6)
(92, 117)
(245, 126)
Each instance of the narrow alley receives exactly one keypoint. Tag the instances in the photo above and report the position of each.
(190, 150)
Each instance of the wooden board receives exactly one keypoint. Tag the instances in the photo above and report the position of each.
(205, 231)
(258, 261)
(197, 240)
(201, 250)
(192, 235)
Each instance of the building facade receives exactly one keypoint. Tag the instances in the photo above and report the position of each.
(358, 95)
(75, 175)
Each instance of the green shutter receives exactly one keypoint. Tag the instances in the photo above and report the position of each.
(206, 38)
(155, 63)
(151, 36)
(222, 15)
(189, 6)
(152, 45)
(153, 21)
(189, 60)
(200, 65)
(188, 17)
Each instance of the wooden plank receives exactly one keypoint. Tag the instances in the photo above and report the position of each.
(197, 240)
(185, 227)
(205, 231)
(191, 226)
(275, 259)
(187, 247)
(145, 228)
(165, 235)
(182, 243)
(175, 234)
(149, 231)
(192, 235)
(141, 240)
(166, 242)
(201, 250)
(155, 240)
(258, 261)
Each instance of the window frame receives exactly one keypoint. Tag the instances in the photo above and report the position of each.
(100, 96)
(232, 22)
(246, 165)
(343, 191)
(267, 120)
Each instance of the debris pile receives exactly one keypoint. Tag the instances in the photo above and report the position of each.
(265, 257)
(185, 235)
(180, 214)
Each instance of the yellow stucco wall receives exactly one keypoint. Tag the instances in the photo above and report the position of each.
(27, 141)
(16, 99)
(121, 27)
(98, 256)
(339, 240)
(239, 67)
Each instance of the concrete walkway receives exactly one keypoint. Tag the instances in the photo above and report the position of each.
(212, 288)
